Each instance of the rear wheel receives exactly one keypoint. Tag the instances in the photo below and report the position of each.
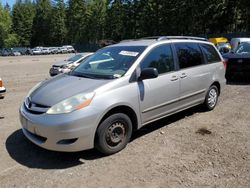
(113, 134)
(211, 98)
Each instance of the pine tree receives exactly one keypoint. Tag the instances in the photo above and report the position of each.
(5, 25)
(22, 17)
(41, 23)
(57, 25)
(76, 21)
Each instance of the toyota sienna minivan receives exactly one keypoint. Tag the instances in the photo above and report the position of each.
(119, 89)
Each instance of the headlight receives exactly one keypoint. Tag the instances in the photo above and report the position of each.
(66, 66)
(34, 88)
(76, 102)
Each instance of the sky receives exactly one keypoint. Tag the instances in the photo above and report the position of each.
(10, 2)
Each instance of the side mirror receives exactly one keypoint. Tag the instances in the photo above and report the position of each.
(148, 73)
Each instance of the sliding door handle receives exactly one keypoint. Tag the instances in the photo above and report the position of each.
(174, 78)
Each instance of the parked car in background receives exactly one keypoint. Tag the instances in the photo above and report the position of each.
(54, 50)
(70, 49)
(236, 41)
(2, 89)
(68, 64)
(120, 89)
(63, 50)
(21, 50)
(221, 43)
(15, 53)
(46, 51)
(5, 52)
(238, 61)
(37, 51)
(224, 48)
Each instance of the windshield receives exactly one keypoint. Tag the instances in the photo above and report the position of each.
(75, 58)
(243, 48)
(109, 63)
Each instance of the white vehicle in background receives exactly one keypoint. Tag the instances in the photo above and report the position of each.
(37, 51)
(2, 89)
(16, 53)
(63, 50)
(46, 51)
(70, 49)
(53, 50)
(236, 41)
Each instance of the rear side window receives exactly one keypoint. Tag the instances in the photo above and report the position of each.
(189, 55)
(161, 58)
(211, 54)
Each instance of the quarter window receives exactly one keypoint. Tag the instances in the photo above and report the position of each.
(210, 53)
(160, 58)
(189, 55)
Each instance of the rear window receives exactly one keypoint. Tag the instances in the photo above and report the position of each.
(189, 55)
(211, 54)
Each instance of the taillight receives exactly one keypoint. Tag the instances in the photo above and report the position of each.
(225, 61)
(1, 83)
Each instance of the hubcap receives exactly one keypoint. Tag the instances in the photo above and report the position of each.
(115, 134)
(212, 98)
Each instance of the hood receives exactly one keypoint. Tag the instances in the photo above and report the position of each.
(62, 63)
(55, 90)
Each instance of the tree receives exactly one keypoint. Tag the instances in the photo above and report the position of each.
(5, 25)
(41, 23)
(95, 20)
(76, 21)
(22, 17)
(57, 25)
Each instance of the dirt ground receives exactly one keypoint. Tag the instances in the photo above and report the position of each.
(173, 152)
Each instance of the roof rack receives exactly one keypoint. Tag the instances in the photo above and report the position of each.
(159, 38)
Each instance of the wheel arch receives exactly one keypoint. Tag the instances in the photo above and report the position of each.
(122, 109)
(217, 84)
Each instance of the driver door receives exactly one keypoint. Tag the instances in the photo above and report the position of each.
(159, 96)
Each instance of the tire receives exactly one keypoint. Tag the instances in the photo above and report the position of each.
(211, 98)
(113, 134)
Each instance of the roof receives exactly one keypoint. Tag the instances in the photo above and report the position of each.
(155, 39)
(135, 42)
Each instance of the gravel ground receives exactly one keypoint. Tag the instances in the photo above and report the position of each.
(190, 149)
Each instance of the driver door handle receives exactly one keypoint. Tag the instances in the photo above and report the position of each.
(183, 75)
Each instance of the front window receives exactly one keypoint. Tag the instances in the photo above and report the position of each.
(109, 63)
(243, 48)
(160, 58)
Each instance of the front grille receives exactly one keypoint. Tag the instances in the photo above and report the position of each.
(35, 108)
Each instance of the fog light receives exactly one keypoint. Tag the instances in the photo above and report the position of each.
(67, 141)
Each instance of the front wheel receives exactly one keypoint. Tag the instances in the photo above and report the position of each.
(113, 134)
(211, 98)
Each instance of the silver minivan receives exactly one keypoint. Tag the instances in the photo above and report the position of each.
(119, 89)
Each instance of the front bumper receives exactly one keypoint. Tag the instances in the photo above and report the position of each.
(54, 71)
(2, 92)
(64, 132)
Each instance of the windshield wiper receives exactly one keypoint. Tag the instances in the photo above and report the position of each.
(82, 75)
